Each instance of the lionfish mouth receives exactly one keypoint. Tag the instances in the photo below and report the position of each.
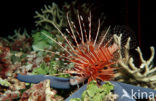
(93, 59)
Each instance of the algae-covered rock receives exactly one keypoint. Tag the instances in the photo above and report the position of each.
(95, 93)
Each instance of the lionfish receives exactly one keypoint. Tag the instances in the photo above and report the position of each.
(92, 58)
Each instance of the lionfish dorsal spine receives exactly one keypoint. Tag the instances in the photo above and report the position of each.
(90, 26)
(78, 16)
(76, 30)
(110, 39)
(68, 42)
(97, 33)
(56, 53)
(103, 37)
(57, 43)
(84, 28)
(72, 32)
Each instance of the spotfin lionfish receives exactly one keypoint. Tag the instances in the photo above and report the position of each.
(92, 58)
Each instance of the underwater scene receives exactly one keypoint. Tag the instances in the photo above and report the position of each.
(77, 50)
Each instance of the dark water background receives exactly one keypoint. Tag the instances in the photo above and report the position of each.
(16, 14)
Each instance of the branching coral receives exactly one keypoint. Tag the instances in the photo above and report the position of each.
(144, 75)
(48, 16)
(21, 41)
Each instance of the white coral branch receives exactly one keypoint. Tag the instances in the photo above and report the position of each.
(145, 72)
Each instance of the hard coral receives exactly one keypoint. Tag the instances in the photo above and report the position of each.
(144, 75)
(50, 14)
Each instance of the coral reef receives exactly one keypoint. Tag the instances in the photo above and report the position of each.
(5, 61)
(9, 95)
(50, 50)
(34, 58)
(52, 69)
(20, 41)
(41, 92)
(13, 89)
(144, 75)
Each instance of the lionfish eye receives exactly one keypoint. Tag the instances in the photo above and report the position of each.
(105, 68)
